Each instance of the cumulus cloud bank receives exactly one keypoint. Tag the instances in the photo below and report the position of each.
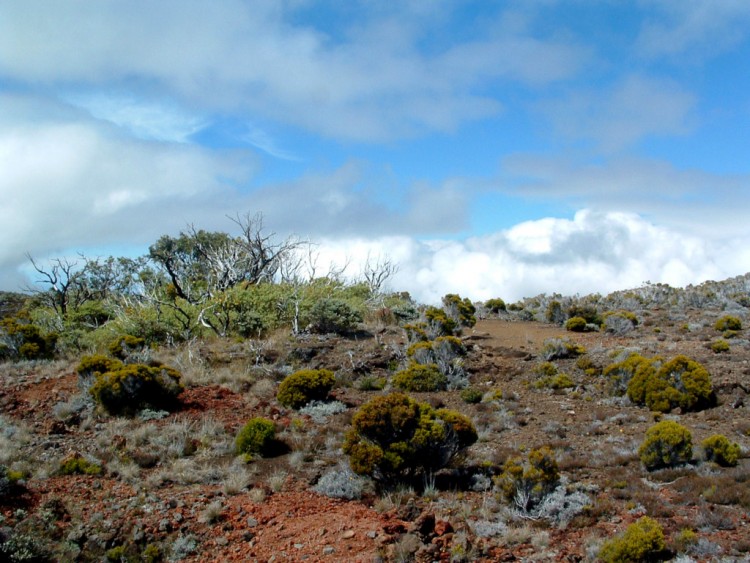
(593, 252)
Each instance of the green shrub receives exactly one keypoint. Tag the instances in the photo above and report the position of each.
(78, 465)
(255, 437)
(588, 312)
(459, 309)
(642, 541)
(393, 436)
(129, 388)
(495, 305)
(333, 316)
(471, 395)
(126, 344)
(576, 324)
(25, 340)
(557, 382)
(546, 369)
(719, 449)
(304, 386)
(440, 323)
(681, 382)
(9, 482)
(97, 364)
(719, 346)
(728, 322)
(526, 482)
(420, 378)
(371, 383)
(667, 444)
(619, 375)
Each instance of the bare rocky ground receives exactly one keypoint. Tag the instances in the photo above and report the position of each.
(173, 486)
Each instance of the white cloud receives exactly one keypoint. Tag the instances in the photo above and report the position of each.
(593, 252)
(370, 81)
(705, 203)
(66, 182)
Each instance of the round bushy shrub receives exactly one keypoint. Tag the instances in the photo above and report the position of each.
(728, 322)
(472, 395)
(495, 305)
(255, 438)
(331, 315)
(642, 541)
(680, 382)
(576, 324)
(133, 387)
(420, 378)
(304, 386)
(667, 444)
(526, 482)
(393, 436)
(719, 346)
(719, 449)
(621, 373)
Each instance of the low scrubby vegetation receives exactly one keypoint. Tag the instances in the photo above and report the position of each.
(173, 406)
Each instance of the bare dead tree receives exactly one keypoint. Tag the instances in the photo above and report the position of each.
(377, 271)
(62, 277)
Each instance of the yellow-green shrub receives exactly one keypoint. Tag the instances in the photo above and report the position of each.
(304, 386)
(719, 346)
(78, 465)
(129, 388)
(667, 444)
(621, 373)
(495, 305)
(393, 436)
(681, 382)
(527, 482)
(719, 449)
(255, 437)
(97, 364)
(420, 378)
(642, 541)
(576, 324)
(728, 322)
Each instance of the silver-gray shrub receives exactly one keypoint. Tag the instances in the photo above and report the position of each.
(341, 482)
(321, 411)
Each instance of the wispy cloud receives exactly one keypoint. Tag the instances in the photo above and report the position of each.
(372, 82)
(698, 28)
(635, 108)
(144, 119)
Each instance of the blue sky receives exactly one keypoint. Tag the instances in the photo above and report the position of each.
(490, 148)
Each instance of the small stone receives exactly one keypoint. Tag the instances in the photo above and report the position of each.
(248, 536)
(299, 545)
(372, 534)
(222, 541)
(251, 522)
(328, 550)
(442, 527)
(349, 534)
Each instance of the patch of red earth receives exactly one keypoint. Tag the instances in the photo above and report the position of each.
(295, 526)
